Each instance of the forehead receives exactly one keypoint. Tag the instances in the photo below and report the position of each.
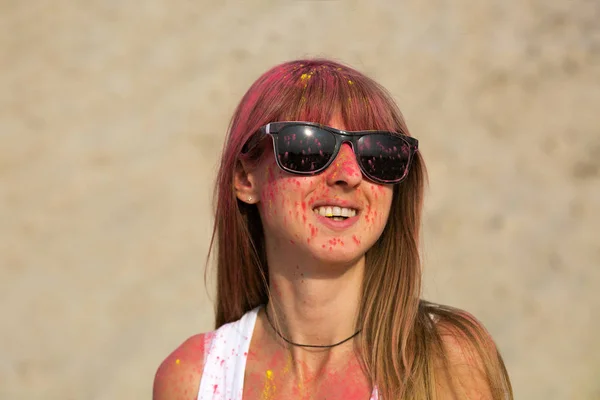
(337, 122)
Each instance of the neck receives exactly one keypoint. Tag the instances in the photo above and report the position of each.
(312, 307)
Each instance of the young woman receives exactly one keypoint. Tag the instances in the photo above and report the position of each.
(318, 213)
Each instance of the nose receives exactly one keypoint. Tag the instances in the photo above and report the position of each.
(344, 170)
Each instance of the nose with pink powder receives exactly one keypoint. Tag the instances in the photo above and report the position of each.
(345, 167)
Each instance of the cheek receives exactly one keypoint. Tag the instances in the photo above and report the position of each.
(281, 194)
(378, 210)
(271, 192)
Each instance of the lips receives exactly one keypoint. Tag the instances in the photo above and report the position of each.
(335, 213)
(337, 224)
(336, 202)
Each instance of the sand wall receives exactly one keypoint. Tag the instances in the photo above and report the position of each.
(112, 116)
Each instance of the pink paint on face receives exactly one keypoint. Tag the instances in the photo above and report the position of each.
(288, 203)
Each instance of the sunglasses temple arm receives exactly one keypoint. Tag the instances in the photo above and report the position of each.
(254, 140)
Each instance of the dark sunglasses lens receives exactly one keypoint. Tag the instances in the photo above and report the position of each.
(383, 157)
(303, 148)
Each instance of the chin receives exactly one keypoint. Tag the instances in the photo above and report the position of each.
(338, 256)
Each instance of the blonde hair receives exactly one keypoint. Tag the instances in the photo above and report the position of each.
(402, 341)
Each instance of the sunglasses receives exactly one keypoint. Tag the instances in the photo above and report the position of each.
(306, 148)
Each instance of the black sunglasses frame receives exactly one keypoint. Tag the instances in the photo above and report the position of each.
(341, 137)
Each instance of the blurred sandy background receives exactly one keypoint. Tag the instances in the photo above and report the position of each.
(112, 116)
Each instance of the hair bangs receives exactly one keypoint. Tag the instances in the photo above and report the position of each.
(318, 90)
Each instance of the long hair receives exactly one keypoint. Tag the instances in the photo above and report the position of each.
(400, 345)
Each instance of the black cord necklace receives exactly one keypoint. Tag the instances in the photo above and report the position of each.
(313, 346)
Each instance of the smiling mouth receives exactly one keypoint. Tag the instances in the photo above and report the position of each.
(335, 213)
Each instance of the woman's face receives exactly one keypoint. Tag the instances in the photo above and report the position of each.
(296, 211)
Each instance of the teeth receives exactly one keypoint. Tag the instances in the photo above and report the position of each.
(329, 211)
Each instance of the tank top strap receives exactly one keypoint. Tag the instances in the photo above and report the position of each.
(375, 394)
(225, 359)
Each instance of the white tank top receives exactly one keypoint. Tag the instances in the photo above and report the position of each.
(225, 360)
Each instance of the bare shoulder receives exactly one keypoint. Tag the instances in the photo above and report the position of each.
(465, 339)
(178, 376)
(472, 367)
